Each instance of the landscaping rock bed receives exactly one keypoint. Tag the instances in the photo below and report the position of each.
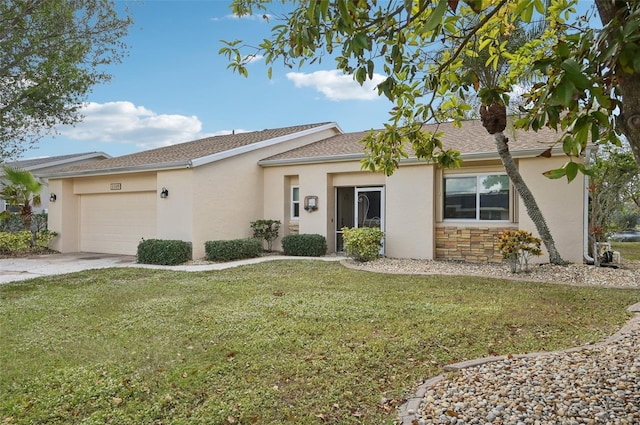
(624, 276)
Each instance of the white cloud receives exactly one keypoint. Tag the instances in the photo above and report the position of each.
(337, 86)
(123, 122)
(252, 58)
(264, 17)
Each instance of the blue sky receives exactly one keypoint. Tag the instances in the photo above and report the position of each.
(174, 87)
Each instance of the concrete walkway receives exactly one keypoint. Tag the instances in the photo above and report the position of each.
(15, 269)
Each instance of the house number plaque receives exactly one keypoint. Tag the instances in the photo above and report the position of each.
(116, 186)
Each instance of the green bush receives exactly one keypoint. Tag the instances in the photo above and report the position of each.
(306, 245)
(13, 242)
(20, 242)
(266, 230)
(165, 252)
(43, 237)
(235, 249)
(362, 244)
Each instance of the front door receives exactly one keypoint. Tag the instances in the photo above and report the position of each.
(358, 207)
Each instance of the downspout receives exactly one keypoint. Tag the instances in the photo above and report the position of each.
(585, 225)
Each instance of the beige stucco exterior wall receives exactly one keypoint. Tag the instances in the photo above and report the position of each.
(175, 213)
(409, 206)
(64, 216)
(132, 182)
(561, 204)
(227, 196)
(314, 180)
(410, 212)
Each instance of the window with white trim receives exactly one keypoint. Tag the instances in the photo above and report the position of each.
(295, 202)
(483, 197)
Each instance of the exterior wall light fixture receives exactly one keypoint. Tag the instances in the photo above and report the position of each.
(164, 193)
(52, 197)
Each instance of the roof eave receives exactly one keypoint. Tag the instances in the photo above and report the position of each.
(311, 160)
(69, 160)
(470, 156)
(119, 170)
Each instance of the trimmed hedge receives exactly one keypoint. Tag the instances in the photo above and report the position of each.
(164, 252)
(306, 245)
(235, 249)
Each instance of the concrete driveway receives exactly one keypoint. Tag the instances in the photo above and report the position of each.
(14, 269)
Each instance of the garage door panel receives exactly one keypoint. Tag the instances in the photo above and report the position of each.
(115, 223)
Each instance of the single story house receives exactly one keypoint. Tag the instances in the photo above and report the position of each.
(310, 178)
(48, 164)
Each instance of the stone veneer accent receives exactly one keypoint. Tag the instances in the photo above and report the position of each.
(294, 229)
(472, 244)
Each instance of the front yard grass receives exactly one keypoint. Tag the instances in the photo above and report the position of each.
(275, 343)
(628, 250)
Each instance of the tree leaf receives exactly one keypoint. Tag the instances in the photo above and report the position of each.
(574, 72)
(563, 94)
(555, 174)
(436, 17)
(571, 169)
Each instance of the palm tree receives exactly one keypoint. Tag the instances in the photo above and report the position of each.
(22, 191)
(494, 119)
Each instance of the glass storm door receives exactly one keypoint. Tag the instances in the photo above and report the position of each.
(358, 207)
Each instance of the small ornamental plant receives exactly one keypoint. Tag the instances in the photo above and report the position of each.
(516, 247)
(266, 230)
(362, 244)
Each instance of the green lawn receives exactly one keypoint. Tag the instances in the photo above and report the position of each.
(628, 250)
(275, 343)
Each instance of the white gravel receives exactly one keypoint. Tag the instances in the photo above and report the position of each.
(625, 276)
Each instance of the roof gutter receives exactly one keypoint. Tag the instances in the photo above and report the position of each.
(120, 170)
(311, 160)
(474, 156)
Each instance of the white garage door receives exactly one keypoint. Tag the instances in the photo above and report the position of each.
(114, 223)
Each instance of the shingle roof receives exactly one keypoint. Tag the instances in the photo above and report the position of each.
(471, 138)
(185, 152)
(32, 163)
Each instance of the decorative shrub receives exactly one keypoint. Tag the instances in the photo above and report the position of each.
(13, 242)
(43, 237)
(516, 246)
(305, 245)
(362, 244)
(165, 252)
(266, 230)
(235, 249)
(20, 242)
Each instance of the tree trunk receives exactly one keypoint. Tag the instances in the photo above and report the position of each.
(527, 198)
(628, 122)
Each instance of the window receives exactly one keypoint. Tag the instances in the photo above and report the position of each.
(295, 202)
(478, 197)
